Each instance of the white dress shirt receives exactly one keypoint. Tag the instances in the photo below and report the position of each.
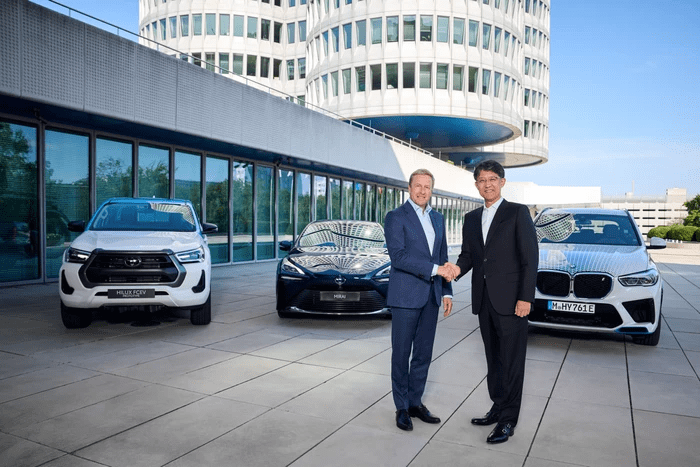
(487, 217)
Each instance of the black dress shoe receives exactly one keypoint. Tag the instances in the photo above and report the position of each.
(423, 413)
(490, 418)
(403, 420)
(501, 433)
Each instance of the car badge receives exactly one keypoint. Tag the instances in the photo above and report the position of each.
(132, 261)
(340, 280)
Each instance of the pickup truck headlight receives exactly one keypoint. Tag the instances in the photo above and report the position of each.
(191, 256)
(73, 255)
(644, 279)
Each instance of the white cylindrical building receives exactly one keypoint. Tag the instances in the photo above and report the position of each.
(464, 79)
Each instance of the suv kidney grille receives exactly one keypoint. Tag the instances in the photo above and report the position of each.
(553, 283)
(592, 285)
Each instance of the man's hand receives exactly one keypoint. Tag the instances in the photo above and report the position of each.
(446, 271)
(447, 303)
(453, 269)
(522, 308)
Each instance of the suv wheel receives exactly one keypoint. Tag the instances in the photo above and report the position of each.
(75, 318)
(649, 339)
(202, 315)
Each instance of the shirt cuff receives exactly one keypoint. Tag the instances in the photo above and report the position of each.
(447, 296)
(434, 273)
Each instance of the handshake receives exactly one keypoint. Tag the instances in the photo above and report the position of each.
(449, 271)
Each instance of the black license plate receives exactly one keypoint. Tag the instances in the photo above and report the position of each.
(340, 296)
(131, 293)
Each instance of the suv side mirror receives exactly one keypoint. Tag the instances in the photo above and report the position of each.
(208, 228)
(656, 243)
(76, 226)
(285, 245)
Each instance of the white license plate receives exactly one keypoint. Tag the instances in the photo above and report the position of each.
(131, 293)
(340, 296)
(571, 307)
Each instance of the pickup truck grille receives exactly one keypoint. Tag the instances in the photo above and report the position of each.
(124, 268)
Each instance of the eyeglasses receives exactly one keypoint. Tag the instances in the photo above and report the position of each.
(484, 181)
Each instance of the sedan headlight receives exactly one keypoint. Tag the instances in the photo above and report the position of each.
(73, 255)
(291, 268)
(191, 256)
(383, 274)
(644, 279)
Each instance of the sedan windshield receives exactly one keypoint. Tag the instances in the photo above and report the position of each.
(590, 229)
(146, 216)
(343, 235)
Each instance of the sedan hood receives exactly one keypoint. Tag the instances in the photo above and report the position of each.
(343, 260)
(612, 259)
(138, 241)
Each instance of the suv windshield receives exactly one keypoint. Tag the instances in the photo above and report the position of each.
(343, 235)
(146, 216)
(589, 228)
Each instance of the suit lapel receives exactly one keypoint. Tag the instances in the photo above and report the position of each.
(437, 227)
(417, 226)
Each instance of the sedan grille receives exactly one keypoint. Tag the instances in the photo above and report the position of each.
(310, 300)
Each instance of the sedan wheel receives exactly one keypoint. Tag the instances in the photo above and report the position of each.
(75, 318)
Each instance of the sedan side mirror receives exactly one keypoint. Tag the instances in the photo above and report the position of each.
(208, 228)
(76, 226)
(285, 245)
(656, 243)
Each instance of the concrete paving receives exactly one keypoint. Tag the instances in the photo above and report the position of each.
(251, 389)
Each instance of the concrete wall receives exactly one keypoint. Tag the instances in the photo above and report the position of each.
(53, 59)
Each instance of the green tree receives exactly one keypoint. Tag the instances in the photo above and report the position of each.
(693, 217)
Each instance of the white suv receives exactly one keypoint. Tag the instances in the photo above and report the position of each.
(137, 252)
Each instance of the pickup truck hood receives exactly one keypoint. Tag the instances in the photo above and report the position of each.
(138, 241)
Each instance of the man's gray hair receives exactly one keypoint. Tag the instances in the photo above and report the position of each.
(422, 172)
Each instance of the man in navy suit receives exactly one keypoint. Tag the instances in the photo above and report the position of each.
(499, 245)
(417, 244)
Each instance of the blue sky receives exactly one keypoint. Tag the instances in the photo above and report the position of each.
(624, 93)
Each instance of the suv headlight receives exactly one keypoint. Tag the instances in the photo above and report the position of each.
(383, 274)
(644, 279)
(290, 268)
(73, 255)
(191, 256)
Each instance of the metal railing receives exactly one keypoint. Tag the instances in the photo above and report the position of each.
(246, 81)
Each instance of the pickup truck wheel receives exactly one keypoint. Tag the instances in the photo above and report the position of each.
(75, 318)
(202, 314)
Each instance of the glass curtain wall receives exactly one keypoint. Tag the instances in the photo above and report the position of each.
(321, 198)
(113, 171)
(348, 204)
(242, 211)
(285, 213)
(188, 175)
(335, 199)
(360, 213)
(154, 172)
(265, 212)
(303, 197)
(19, 218)
(217, 212)
(66, 176)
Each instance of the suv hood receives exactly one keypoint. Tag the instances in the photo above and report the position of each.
(138, 241)
(613, 259)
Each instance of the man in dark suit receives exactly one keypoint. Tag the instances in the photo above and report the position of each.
(499, 245)
(417, 244)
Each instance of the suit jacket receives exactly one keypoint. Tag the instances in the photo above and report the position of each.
(411, 261)
(507, 263)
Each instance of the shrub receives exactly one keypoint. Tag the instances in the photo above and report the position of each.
(659, 231)
(696, 237)
(680, 232)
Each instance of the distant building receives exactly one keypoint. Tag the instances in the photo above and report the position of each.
(650, 212)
